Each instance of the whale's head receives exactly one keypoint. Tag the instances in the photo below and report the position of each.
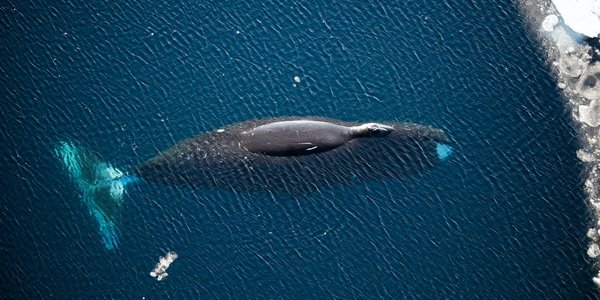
(372, 130)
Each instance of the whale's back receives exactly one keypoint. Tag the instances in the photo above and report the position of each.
(220, 158)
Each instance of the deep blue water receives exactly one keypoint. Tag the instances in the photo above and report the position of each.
(503, 218)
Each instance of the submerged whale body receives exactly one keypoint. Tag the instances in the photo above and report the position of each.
(293, 154)
(296, 154)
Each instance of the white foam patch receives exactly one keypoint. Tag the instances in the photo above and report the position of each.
(160, 269)
(113, 173)
(116, 191)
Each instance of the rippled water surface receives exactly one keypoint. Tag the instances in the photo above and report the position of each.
(504, 217)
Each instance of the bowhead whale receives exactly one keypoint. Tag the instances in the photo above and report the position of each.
(289, 154)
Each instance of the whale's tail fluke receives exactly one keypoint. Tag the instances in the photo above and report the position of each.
(101, 185)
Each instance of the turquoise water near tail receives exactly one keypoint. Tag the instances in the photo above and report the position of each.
(502, 217)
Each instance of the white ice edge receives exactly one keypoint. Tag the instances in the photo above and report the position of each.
(582, 16)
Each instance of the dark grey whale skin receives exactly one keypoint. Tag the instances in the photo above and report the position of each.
(300, 137)
(219, 159)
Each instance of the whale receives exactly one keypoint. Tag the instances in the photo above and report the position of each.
(295, 154)
(291, 155)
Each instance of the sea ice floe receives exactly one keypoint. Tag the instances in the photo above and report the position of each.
(582, 16)
(549, 23)
(593, 250)
(585, 156)
(589, 82)
(590, 114)
(593, 234)
(597, 280)
(572, 62)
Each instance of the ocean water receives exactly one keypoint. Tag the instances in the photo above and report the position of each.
(503, 218)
